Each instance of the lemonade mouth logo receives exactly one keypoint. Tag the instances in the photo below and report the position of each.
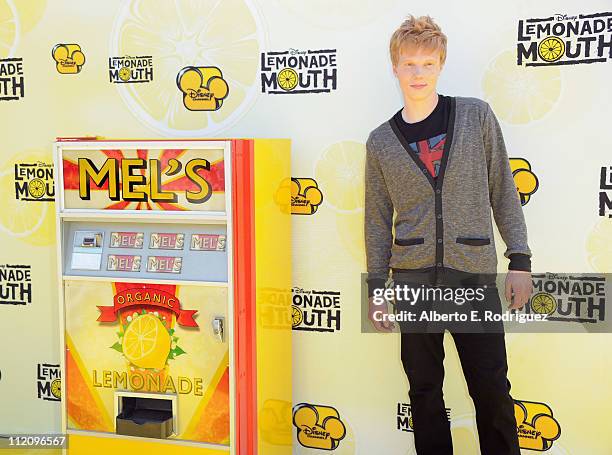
(565, 40)
(12, 86)
(130, 70)
(69, 58)
(15, 284)
(568, 298)
(273, 308)
(535, 425)
(525, 180)
(605, 186)
(318, 427)
(49, 382)
(34, 182)
(203, 87)
(404, 417)
(297, 71)
(305, 196)
(315, 311)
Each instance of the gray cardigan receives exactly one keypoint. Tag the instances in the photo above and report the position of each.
(444, 222)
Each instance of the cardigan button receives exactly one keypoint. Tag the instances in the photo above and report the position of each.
(424, 171)
(439, 240)
(438, 191)
(439, 216)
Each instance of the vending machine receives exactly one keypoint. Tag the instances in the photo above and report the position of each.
(174, 262)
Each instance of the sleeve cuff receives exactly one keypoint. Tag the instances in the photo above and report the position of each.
(519, 261)
(375, 283)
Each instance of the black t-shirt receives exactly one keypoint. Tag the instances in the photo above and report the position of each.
(427, 137)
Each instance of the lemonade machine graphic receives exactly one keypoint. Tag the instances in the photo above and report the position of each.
(163, 247)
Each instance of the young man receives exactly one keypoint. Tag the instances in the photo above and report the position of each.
(441, 165)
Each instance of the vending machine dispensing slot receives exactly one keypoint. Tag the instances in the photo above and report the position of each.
(145, 416)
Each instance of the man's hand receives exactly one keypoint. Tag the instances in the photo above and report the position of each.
(519, 285)
(380, 326)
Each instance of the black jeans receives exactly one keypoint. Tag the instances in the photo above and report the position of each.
(483, 360)
(484, 364)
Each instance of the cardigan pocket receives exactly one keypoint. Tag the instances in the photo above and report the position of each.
(409, 242)
(474, 241)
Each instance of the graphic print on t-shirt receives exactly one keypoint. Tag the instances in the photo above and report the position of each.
(430, 152)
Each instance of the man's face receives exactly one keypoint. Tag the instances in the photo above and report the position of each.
(417, 71)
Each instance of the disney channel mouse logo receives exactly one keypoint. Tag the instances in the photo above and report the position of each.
(536, 426)
(203, 88)
(318, 427)
(69, 58)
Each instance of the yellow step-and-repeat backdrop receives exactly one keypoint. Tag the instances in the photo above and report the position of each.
(318, 72)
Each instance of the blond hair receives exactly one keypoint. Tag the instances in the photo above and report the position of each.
(419, 31)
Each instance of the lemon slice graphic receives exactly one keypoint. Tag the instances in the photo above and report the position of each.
(551, 49)
(226, 34)
(520, 94)
(36, 188)
(56, 388)
(599, 246)
(340, 175)
(543, 303)
(9, 28)
(30, 13)
(338, 14)
(296, 316)
(18, 218)
(146, 342)
(287, 79)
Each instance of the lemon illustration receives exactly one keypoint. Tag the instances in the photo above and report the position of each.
(56, 388)
(30, 13)
(227, 35)
(124, 74)
(340, 175)
(30, 221)
(146, 342)
(296, 316)
(551, 49)
(520, 94)
(599, 246)
(36, 188)
(339, 14)
(287, 79)
(9, 28)
(543, 303)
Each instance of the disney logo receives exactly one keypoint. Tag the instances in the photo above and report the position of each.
(200, 95)
(556, 276)
(296, 51)
(565, 17)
